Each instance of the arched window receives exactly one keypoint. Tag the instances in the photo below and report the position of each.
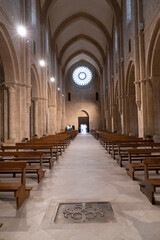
(128, 11)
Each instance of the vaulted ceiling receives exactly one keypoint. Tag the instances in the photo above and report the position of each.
(82, 29)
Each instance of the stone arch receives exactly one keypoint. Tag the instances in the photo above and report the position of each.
(113, 4)
(75, 39)
(79, 61)
(8, 56)
(131, 107)
(79, 52)
(153, 83)
(9, 74)
(87, 17)
(85, 113)
(153, 41)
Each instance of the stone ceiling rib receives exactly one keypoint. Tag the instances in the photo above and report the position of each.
(79, 59)
(82, 15)
(76, 38)
(112, 3)
(79, 52)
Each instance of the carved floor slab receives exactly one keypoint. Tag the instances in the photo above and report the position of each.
(85, 212)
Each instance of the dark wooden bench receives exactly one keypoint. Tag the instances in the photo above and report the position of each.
(136, 156)
(148, 187)
(121, 154)
(46, 149)
(28, 158)
(21, 192)
(57, 147)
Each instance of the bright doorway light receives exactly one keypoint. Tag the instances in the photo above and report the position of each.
(83, 128)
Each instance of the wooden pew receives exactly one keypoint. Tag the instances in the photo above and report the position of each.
(27, 157)
(46, 149)
(110, 140)
(148, 187)
(136, 157)
(122, 153)
(57, 146)
(21, 192)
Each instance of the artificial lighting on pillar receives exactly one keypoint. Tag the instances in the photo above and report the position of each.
(42, 63)
(62, 95)
(22, 31)
(58, 89)
(52, 79)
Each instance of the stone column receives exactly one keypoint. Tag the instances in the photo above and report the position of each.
(63, 113)
(36, 116)
(150, 107)
(12, 122)
(123, 114)
(142, 113)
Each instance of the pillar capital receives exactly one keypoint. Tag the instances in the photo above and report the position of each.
(10, 86)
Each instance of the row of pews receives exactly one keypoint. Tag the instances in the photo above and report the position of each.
(30, 157)
(136, 154)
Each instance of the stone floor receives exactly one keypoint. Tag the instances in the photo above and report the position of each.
(84, 173)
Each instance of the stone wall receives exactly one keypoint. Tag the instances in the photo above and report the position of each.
(82, 98)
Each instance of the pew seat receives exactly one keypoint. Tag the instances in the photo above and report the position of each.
(21, 192)
(150, 183)
(26, 157)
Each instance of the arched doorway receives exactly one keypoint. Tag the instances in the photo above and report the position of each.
(131, 107)
(83, 122)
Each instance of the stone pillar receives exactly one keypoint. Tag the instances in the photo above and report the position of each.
(150, 107)
(12, 122)
(63, 125)
(142, 112)
(36, 116)
(123, 114)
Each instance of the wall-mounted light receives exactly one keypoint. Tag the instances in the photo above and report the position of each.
(58, 89)
(22, 31)
(52, 79)
(42, 63)
(62, 95)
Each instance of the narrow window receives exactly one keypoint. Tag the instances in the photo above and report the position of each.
(69, 96)
(34, 47)
(116, 41)
(97, 96)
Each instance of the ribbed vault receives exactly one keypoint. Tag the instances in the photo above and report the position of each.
(81, 28)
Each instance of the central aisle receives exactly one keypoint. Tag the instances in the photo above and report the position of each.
(84, 173)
